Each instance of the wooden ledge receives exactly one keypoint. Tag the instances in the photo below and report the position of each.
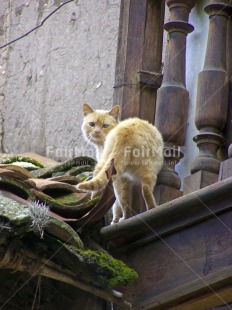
(152, 79)
(171, 216)
(208, 291)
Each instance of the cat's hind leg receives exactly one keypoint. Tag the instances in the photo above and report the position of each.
(148, 184)
(122, 193)
(117, 212)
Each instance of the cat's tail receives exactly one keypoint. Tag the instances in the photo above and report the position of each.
(99, 182)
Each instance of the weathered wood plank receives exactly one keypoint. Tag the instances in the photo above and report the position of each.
(214, 289)
(179, 250)
(181, 266)
(174, 215)
(139, 49)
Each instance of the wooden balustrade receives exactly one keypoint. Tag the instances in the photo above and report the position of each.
(173, 99)
(226, 166)
(212, 100)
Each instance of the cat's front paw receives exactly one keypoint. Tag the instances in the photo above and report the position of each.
(82, 187)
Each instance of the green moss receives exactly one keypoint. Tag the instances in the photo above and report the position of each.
(85, 176)
(64, 232)
(26, 165)
(110, 271)
(93, 201)
(11, 159)
(75, 171)
(73, 200)
(69, 199)
(58, 174)
(63, 168)
(69, 210)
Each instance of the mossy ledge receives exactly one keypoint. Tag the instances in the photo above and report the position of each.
(64, 167)
(111, 272)
(6, 159)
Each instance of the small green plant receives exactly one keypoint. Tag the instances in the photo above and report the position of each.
(39, 215)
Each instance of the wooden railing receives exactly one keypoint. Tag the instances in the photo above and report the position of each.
(186, 243)
(226, 166)
(142, 91)
(212, 100)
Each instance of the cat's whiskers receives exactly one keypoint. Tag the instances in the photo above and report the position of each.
(88, 140)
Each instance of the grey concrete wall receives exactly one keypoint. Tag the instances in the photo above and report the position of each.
(46, 76)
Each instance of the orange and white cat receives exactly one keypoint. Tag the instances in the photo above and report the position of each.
(97, 124)
(136, 147)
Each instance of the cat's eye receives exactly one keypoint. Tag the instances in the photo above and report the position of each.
(105, 126)
(92, 124)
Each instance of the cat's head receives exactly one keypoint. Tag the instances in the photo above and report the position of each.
(98, 123)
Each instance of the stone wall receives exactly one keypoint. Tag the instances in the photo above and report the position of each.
(46, 76)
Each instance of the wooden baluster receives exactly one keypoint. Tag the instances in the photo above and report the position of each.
(173, 98)
(226, 166)
(212, 100)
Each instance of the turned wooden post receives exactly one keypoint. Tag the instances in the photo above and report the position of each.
(226, 166)
(139, 57)
(212, 100)
(173, 98)
(138, 64)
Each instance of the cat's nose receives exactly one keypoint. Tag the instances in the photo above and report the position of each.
(97, 130)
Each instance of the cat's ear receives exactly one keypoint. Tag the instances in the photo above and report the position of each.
(114, 112)
(86, 109)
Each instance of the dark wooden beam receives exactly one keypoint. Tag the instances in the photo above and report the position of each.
(183, 212)
(138, 64)
(203, 293)
(181, 251)
(139, 57)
